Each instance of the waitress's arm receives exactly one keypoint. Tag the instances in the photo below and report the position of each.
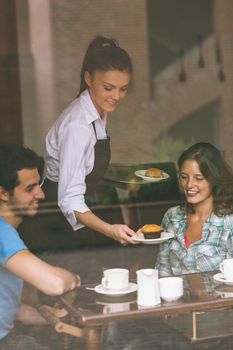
(119, 232)
(72, 173)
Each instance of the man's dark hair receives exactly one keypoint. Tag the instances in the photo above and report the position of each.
(13, 158)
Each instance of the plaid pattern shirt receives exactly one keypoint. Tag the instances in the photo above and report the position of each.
(203, 255)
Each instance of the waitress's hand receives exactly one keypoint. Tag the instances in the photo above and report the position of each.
(122, 234)
(119, 232)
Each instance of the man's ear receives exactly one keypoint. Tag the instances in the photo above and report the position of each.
(4, 195)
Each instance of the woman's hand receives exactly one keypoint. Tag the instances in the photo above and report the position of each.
(122, 234)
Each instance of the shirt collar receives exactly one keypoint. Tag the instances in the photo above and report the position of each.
(215, 220)
(92, 114)
(181, 215)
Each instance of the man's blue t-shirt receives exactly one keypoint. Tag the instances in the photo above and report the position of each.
(10, 285)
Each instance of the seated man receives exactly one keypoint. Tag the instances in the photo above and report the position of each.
(20, 194)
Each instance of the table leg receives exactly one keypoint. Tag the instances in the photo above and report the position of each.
(194, 325)
(94, 338)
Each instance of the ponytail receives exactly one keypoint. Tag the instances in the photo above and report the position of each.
(104, 54)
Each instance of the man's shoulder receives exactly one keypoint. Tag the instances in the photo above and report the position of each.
(5, 226)
(10, 241)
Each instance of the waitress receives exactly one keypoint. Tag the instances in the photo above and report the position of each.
(77, 145)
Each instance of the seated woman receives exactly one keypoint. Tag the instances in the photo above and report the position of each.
(203, 230)
(203, 225)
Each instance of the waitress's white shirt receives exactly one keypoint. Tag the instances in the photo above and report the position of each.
(70, 153)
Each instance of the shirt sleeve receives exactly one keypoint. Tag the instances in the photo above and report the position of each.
(10, 243)
(73, 145)
(229, 227)
(162, 263)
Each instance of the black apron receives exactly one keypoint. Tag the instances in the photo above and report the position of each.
(102, 155)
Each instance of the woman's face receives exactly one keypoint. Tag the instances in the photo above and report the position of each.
(107, 88)
(196, 188)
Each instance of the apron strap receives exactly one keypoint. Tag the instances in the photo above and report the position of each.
(93, 123)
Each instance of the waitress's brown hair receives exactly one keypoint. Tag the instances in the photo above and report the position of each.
(104, 54)
(216, 171)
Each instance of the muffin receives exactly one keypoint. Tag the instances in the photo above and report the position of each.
(151, 231)
(154, 172)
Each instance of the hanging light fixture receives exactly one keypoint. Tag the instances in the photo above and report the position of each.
(182, 74)
(201, 61)
(221, 74)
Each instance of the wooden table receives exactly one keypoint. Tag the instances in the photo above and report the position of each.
(92, 312)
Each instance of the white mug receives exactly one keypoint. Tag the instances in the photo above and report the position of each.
(226, 267)
(116, 279)
(171, 288)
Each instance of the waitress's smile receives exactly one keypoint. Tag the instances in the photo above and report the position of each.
(112, 102)
(107, 89)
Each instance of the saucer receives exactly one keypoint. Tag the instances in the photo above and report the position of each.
(101, 290)
(220, 278)
(224, 291)
(164, 237)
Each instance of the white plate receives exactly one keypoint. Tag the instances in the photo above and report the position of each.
(101, 290)
(164, 237)
(220, 278)
(141, 173)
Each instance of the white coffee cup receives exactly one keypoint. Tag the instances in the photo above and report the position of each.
(116, 279)
(226, 267)
(171, 288)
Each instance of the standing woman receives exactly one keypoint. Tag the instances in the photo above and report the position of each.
(77, 145)
(203, 226)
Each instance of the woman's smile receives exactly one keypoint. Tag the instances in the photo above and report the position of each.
(195, 187)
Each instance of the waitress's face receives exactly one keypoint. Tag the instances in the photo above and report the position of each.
(107, 88)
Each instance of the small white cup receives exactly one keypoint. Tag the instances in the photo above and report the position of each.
(171, 288)
(116, 279)
(226, 267)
